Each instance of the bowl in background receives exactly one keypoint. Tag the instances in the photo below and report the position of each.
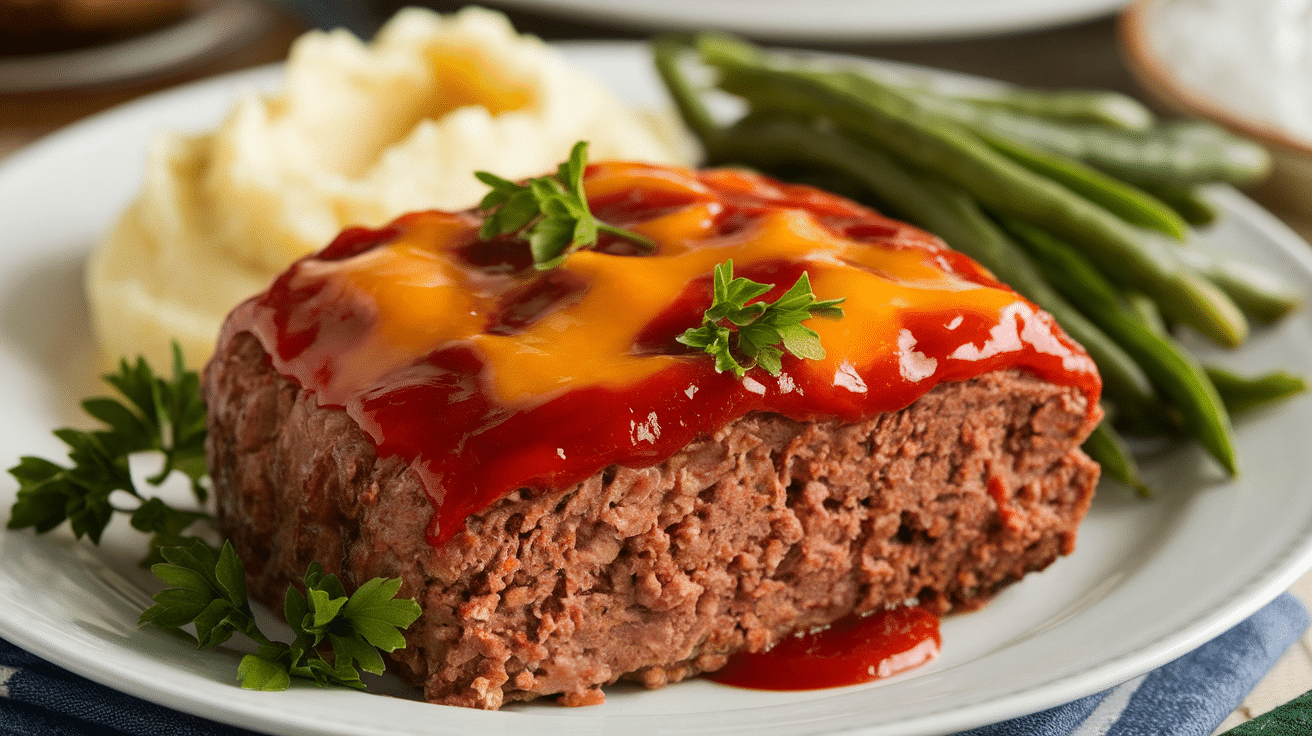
(1243, 64)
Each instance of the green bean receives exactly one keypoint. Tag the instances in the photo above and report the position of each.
(1183, 153)
(1107, 448)
(1078, 106)
(950, 152)
(668, 52)
(768, 142)
(1172, 370)
(1202, 146)
(1145, 310)
(1187, 200)
(1070, 105)
(1133, 205)
(1241, 394)
(1174, 155)
(1261, 293)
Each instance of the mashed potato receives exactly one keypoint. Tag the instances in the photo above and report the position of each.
(360, 134)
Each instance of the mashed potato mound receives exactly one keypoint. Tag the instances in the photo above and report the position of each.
(359, 135)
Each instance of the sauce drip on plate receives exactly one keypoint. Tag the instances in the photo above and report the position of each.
(850, 651)
(486, 375)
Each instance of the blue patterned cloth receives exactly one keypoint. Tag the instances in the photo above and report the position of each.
(1187, 697)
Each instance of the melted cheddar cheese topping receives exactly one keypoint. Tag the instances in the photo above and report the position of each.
(423, 323)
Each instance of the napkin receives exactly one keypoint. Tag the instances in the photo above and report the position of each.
(1187, 697)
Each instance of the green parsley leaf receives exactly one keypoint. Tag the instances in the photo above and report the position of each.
(206, 587)
(377, 617)
(263, 671)
(153, 414)
(165, 523)
(172, 412)
(356, 649)
(758, 328)
(208, 591)
(551, 212)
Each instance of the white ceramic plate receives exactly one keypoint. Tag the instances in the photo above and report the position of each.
(1150, 581)
(836, 20)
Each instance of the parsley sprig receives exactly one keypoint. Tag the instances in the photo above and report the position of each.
(209, 592)
(207, 588)
(550, 211)
(154, 414)
(734, 325)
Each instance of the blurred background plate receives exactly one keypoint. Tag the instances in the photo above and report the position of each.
(198, 31)
(809, 20)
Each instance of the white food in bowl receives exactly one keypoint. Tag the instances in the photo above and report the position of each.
(1245, 65)
(359, 135)
(1251, 59)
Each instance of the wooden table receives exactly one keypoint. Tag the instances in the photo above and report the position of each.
(1088, 58)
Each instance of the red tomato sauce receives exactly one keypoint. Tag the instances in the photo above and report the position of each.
(850, 651)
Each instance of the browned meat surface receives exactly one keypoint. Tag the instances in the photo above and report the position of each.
(656, 574)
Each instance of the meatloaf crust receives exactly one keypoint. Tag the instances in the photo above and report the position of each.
(656, 574)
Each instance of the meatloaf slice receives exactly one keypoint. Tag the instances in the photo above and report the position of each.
(656, 574)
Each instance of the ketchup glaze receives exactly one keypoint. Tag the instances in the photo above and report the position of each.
(486, 375)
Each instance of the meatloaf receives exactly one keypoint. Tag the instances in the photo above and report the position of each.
(574, 495)
(657, 573)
